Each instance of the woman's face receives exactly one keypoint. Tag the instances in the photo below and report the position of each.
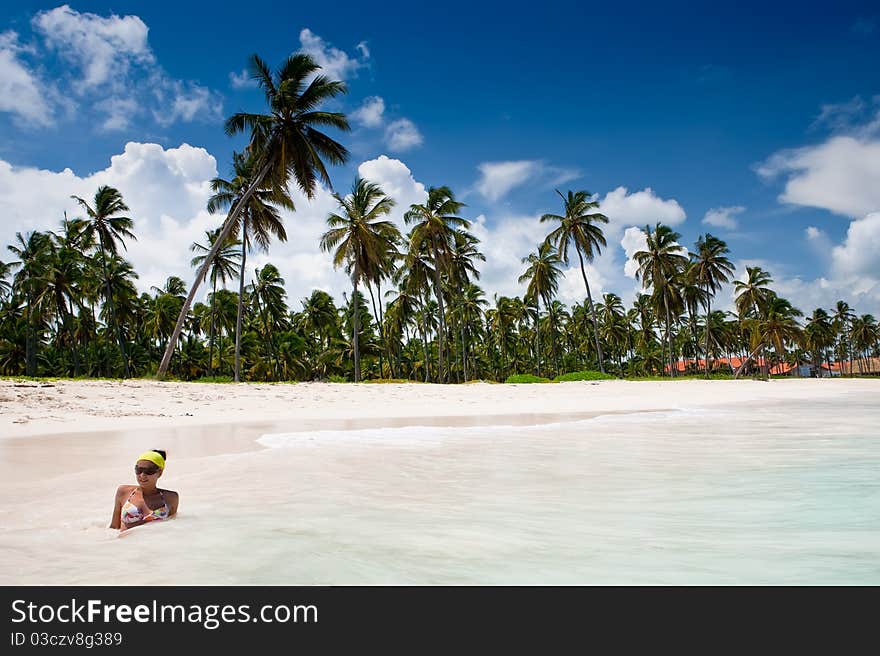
(146, 472)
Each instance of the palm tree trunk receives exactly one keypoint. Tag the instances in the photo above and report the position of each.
(463, 351)
(672, 371)
(113, 308)
(30, 360)
(356, 327)
(424, 330)
(708, 313)
(212, 328)
(592, 313)
(73, 341)
(441, 378)
(237, 372)
(200, 276)
(379, 324)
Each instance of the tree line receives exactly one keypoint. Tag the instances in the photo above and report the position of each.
(69, 305)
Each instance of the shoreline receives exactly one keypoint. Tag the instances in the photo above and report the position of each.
(89, 406)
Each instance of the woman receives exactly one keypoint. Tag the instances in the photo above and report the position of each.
(144, 502)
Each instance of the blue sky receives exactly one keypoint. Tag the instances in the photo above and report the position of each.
(763, 120)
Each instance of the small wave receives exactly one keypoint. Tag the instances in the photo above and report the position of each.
(435, 435)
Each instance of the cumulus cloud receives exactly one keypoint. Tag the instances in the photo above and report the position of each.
(859, 254)
(336, 64)
(107, 69)
(498, 178)
(640, 208)
(371, 113)
(841, 175)
(103, 49)
(402, 135)
(242, 80)
(724, 217)
(20, 93)
(633, 241)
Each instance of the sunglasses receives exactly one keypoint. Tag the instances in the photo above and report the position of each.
(148, 471)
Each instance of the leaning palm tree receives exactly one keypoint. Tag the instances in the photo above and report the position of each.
(223, 268)
(711, 268)
(104, 220)
(660, 264)
(542, 276)
(843, 317)
(435, 224)
(361, 241)
(260, 220)
(284, 143)
(578, 227)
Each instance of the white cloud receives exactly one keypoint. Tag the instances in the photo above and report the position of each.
(724, 217)
(242, 80)
(371, 113)
(402, 135)
(633, 240)
(20, 90)
(109, 68)
(858, 257)
(336, 63)
(841, 175)
(498, 178)
(102, 48)
(640, 208)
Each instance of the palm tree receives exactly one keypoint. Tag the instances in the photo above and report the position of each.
(223, 268)
(462, 268)
(779, 325)
(260, 220)
(284, 143)
(269, 295)
(752, 295)
(843, 316)
(435, 223)
(578, 227)
(361, 241)
(542, 276)
(104, 220)
(660, 265)
(711, 268)
(819, 336)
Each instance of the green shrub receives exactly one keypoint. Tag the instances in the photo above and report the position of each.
(583, 375)
(213, 379)
(526, 378)
(385, 381)
(337, 379)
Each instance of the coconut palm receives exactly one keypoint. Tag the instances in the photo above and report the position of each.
(819, 337)
(660, 264)
(542, 277)
(284, 143)
(362, 240)
(225, 264)
(843, 316)
(752, 295)
(579, 228)
(711, 268)
(434, 225)
(106, 221)
(260, 221)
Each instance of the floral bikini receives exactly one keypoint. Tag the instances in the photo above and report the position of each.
(131, 514)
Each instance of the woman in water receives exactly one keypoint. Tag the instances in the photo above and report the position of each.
(144, 502)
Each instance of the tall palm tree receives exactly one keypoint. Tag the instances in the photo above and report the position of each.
(361, 240)
(542, 276)
(31, 251)
(269, 295)
(105, 220)
(260, 220)
(434, 225)
(579, 227)
(819, 335)
(711, 268)
(462, 269)
(660, 264)
(284, 143)
(843, 316)
(752, 295)
(224, 266)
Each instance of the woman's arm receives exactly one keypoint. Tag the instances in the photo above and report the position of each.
(173, 500)
(116, 519)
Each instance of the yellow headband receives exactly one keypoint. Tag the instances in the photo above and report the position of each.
(155, 458)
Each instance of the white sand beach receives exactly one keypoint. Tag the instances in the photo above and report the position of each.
(678, 481)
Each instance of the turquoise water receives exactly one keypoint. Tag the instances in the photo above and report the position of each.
(758, 494)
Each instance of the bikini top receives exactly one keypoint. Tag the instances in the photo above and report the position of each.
(131, 513)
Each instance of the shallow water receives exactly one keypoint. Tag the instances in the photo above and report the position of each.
(763, 493)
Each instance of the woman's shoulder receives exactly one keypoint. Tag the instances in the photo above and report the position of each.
(125, 488)
(170, 493)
